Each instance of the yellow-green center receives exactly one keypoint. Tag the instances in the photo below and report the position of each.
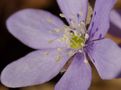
(77, 41)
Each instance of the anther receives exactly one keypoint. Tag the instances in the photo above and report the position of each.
(61, 15)
(58, 58)
(49, 20)
(85, 61)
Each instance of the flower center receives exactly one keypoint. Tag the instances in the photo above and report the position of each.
(77, 41)
(75, 36)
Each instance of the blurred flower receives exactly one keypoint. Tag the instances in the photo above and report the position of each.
(56, 42)
(115, 27)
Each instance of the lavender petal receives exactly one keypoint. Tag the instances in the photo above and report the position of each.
(100, 20)
(74, 10)
(35, 68)
(106, 56)
(36, 28)
(77, 76)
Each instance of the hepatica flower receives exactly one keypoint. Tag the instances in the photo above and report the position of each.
(56, 43)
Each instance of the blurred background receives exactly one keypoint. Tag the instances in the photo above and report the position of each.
(11, 49)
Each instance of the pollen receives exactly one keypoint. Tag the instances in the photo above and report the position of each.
(50, 41)
(63, 38)
(85, 61)
(46, 53)
(58, 58)
(71, 53)
(57, 30)
(59, 49)
(62, 15)
(49, 20)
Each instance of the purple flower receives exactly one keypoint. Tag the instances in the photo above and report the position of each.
(56, 42)
(115, 28)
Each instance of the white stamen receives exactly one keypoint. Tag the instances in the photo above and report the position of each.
(49, 20)
(62, 15)
(46, 53)
(70, 53)
(57, 30)
(50, 41)
(86, 36)
(59, 49)
(63, 70)
(82, 44)
(80, 51)
(85, 61)
(58, 58)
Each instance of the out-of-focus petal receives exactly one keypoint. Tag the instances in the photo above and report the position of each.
(106, 56)
(74, 10)
(100, 21)
(36, 28)
(35, 68)
(115, 27)
(77, 76)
